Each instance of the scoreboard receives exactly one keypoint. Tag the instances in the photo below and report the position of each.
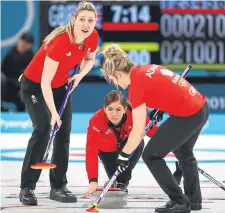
(171, 33)
(193, 32)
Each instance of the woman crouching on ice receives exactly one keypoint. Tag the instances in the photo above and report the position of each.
(107, 134)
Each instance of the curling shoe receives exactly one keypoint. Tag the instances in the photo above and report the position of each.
(27, 197)
(196, 206)
(122, 186)
(62, 195)
(172, 207)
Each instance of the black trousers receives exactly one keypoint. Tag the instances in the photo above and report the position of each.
(178, 135)
(109, 162)
(33, 99)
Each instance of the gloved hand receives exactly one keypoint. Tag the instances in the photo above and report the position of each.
(158, 117)
(122, 162)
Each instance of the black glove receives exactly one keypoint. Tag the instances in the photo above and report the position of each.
(159, 117)
(122, 162)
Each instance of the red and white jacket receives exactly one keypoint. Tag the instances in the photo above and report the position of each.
(101, 137)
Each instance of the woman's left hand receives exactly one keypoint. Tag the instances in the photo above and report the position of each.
(76, 80)
(92, 188)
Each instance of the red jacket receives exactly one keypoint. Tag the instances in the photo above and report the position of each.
(101, 137)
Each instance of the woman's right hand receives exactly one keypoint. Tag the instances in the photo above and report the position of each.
(93, 186)
(55, 120)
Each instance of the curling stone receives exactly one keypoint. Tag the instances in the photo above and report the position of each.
(115, 198)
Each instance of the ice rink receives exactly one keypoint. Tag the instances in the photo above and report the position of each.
(144, 193)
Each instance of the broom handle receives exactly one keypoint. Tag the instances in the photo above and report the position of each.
(62, 108)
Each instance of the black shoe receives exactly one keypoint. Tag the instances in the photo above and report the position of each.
(62, 195)
(122, 186)
(172, 207)
(196, 206)
(27, 197)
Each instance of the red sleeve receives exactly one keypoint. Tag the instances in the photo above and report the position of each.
(59, 47)
(93, 136)
(152, 131)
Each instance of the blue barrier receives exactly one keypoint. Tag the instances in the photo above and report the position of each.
(20, 123)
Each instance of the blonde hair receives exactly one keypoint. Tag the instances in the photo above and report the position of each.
(82, 6)
(115, 59)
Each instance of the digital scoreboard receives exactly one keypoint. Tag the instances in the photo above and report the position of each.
(193, 32)
(171, 33)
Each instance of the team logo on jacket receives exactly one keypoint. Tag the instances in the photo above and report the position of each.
(108, 131)
(167, 72)
(192, 91)
(88, 50)
(34, 99)
(182, 82)
(96, 129)
(176, 78)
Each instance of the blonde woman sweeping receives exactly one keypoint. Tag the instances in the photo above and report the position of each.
(157, 87)
(42, 91)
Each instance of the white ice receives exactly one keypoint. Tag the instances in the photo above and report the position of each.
(144, 193)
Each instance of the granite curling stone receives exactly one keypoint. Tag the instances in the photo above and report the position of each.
(115, 198)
